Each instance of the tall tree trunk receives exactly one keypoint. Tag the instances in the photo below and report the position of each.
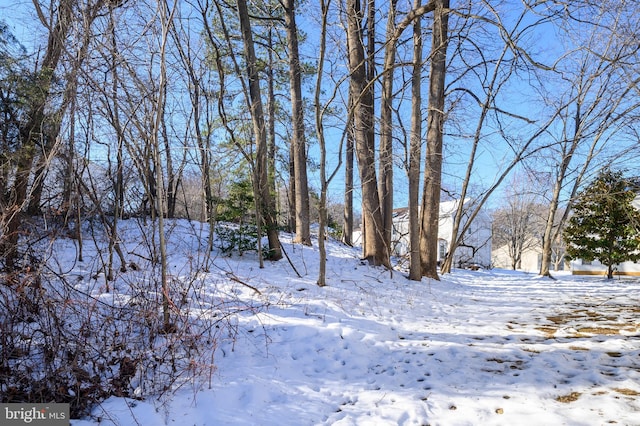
(415, 151)
(271, 115)
(50, 136)
(69, 183)
(322, 273)
(31, 131)
(166, 17)
(347, 228)
(261, 178)
(547, 239)
(298, 141)
(435, 123)
(319, 114)
(374, 249)
(291, 192)
(119, 178)
(386, 129)
(369, 89)
(171, 190)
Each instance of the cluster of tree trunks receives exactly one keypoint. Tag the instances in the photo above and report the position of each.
(241, 39)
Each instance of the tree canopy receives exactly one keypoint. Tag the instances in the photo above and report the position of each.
(605, 225)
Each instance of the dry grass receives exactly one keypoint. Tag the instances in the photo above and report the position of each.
(557, 319)
(607, 331)
(575, 314)
(548, 331)
(572, 397)
(627, 392)
(585, 321)
(607, 320)
(578, 348)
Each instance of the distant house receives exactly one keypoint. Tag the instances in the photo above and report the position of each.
(530, 259)
(582, 267)
(476, 244)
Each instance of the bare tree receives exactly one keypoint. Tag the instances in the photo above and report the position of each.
(599, 77)
(347, 228)
(265, 204)
(54, 146)
(415, 151)
(31, 131)
(319, 114)
(435, 128)
(386, 125)
(256, 153)
(518, 224)
(298, 141)
(112, 110)
(202, 102)
(494, 75)
(374, 249)
(166, 17)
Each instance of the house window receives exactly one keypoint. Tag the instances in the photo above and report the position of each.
(586, 262)
(442, 249)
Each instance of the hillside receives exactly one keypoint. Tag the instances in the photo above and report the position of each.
(266, 347)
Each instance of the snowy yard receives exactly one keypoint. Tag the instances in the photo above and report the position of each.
(477, 348)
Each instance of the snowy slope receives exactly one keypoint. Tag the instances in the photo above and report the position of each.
(372, 348)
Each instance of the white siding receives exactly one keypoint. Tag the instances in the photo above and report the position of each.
(478, 236)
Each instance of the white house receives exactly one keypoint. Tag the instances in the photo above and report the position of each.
(476, 244)
(530, 260)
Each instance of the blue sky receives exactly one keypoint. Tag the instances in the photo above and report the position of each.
(520, 96)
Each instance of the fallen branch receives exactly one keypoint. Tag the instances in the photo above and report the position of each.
(233, 278)
(290, 262)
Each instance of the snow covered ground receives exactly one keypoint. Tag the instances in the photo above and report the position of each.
(372, 348)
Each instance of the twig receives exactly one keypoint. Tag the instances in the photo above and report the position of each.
(232, 277)
(290, 262)
(375, 278)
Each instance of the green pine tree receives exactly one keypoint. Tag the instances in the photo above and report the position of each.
(605, 225)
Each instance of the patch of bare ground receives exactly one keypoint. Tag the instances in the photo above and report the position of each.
(627, 392)
(607, 331)
(513, 365)
(574, 315)
(549, 332)
(572, 397)
(578, 348)
(593, 319)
